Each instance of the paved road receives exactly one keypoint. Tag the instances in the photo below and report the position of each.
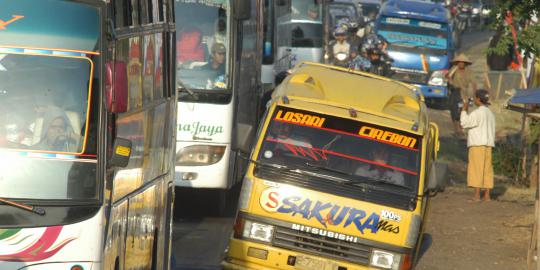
(200, 235)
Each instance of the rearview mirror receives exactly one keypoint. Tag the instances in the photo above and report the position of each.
(121, 153)
(437, 177)
(242, 9)
(116, 87)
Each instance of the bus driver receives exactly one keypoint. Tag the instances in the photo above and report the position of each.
(57, 134)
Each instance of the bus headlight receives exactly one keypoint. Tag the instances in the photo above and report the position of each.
(258, 231)
(438, 78)
(200, 155)
(385, 259)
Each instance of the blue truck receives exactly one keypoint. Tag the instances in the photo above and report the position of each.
(420, 36)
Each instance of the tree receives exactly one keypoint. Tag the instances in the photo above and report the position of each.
(521, 13)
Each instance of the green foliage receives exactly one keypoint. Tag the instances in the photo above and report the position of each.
(506, 158)
(534, 131)
(522, 11)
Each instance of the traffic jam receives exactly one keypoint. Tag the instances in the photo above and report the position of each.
(267, 134)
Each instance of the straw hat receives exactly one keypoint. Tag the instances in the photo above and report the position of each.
(461, 58)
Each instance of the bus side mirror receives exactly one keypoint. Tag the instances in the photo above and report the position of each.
(121, 153)
(116, 96)
(242, 9)
(437, 177)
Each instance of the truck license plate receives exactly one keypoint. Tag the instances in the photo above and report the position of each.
(309, 263)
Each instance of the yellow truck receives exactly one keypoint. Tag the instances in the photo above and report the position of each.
(340, 177)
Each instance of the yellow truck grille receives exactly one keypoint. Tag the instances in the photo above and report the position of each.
(323, 246)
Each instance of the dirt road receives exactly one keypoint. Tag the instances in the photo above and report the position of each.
(488, 235)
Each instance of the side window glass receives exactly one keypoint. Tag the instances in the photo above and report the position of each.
(143, 11)
(134, 68)
(158, 72)
(148, 69)
(134, 8)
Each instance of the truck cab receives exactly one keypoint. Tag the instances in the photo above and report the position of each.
(421, 43)
(340, 176)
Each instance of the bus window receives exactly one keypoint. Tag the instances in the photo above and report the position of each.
(44, 127)
(46, 113)
(202, 44)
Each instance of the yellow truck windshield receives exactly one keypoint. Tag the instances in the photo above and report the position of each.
(355, 151)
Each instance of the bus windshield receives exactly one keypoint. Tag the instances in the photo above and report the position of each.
(44, 125)
(414, 33)
(355, 151)
(202, 45)
(301, 34)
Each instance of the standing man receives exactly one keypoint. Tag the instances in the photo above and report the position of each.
(480, 126)
(461, 86)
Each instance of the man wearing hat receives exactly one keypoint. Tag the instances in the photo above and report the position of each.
(461, 86)
(480, 126)
(217, 62)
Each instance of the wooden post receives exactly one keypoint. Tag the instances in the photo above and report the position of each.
(537, 219)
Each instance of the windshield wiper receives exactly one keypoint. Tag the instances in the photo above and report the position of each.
(184, 88)
(34, 209)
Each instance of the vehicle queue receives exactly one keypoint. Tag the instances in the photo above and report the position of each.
(338, 174)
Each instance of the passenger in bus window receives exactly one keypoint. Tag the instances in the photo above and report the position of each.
(216, 66)
(57, 133)
(377, 170)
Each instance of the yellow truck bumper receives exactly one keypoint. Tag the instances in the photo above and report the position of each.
(277, 258)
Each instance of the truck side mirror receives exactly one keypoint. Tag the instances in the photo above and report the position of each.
(437, 177)
(116, 96)
(244, 135)
(121, 153)
(242, 9)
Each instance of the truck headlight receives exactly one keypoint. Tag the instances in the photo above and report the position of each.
(200, 155)
(258, 231)
(438, 78)
(475, 10)
(385, 259)
(485, 11)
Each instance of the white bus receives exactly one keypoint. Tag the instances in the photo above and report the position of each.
(293, 33)
(218, 56)
(87, 114)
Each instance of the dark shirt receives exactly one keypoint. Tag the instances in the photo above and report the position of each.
(220, 70)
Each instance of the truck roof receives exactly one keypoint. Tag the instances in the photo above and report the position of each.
(356, 95)
(417, 9)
